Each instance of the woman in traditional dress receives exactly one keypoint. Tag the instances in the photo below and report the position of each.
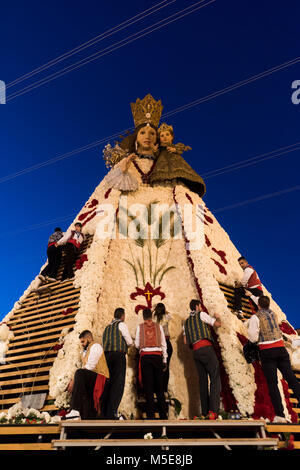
(163, 317)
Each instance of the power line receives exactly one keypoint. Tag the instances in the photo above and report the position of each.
(39, 225)
(214, 211)
(252, 161)
(129, 39)
(91, 42)
(233, 87)
(173, 112)
(257, 199)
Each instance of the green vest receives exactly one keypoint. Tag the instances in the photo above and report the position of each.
(113, 339)
(196, 329)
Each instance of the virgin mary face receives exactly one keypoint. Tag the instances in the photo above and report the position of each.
(146, 138)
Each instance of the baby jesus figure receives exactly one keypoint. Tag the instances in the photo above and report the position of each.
(166, 137)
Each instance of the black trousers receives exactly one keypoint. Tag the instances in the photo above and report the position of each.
(71, 253)
(82, 395)
(54, 255)
(240, 292)
(208, 365)
(153, 381)
(114, 387)
(167, 371)
(271, 360)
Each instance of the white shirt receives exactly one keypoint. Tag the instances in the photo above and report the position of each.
(163, 343)
(203, 317)
(77, 236)
(125, 333)
(247, 274)
(253, 331)
(94, 356)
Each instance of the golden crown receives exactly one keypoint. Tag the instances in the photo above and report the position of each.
(146, 111)
(165, 127)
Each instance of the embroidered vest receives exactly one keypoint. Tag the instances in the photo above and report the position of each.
(254, 280)
(269, 329)
(150, 335)
(101, 366)
(196, 329)
(113, 339)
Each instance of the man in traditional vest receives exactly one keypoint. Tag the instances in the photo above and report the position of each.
(54, 254)
(116, 340)
(89, 381)
(251, 283)
(198, 335)
(72, 241)
(151, 342)
(263, 328)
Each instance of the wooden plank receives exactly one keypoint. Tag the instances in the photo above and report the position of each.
(39, 354)
(31, 348)
(68, 319)
(27, 446)
(38, 334)
(14, 345)
(30, 429)
(41, 378)
(295, 428)
(53, 303)
(165, 442)
(56, 295)
(42, 302)
(12, 401)
(26, 371)
(22, 390)
(55, 313)
(53, 309)
(46, 322)
(6, 429)
(25, 364)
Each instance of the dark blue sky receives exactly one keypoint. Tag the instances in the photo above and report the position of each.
(214, 47)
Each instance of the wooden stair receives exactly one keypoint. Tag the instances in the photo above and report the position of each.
(37, 327)
(228, 292)
(28, 437)
(166, 433)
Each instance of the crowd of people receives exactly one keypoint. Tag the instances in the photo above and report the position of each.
(98, 386)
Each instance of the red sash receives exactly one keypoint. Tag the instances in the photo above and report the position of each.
(98, 390)
(201, 343)
(276, 344)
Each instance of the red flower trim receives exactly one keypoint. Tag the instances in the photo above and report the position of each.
(85, 214)
(80, 262)
(221, 268)
(107, 193)
(57, 346)
(207, 241)
(292, 413)
(67, 311)
(189, 198)
(222, 255)
(89, 218)
(287, 328)
(93, 203)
